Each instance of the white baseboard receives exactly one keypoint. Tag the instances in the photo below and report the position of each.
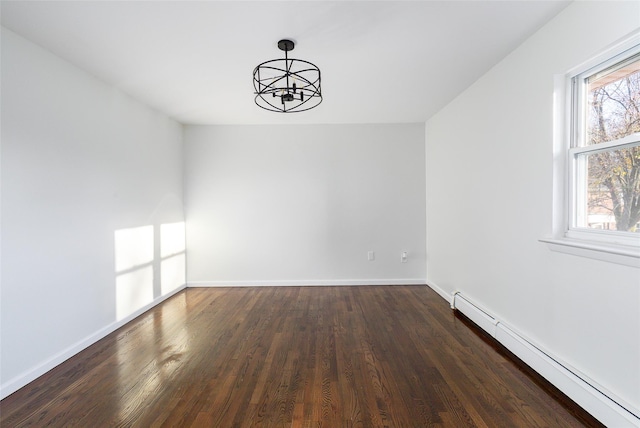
(305, 283)
(601, 404)
(23, 379)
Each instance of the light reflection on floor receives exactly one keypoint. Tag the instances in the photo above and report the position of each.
(140, 378)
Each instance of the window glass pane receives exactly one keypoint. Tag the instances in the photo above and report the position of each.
(613, 98)
(610, 181)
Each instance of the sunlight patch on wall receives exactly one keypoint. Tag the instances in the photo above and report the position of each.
(134, 254)
(172, 239)
(172, 254)
(150, 261)
(172, 273)
(133, 291)
(134, 247)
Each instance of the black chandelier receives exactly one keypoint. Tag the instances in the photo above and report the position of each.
(287, 85)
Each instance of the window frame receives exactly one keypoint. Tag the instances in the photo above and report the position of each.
(577, 146)
(606, 245)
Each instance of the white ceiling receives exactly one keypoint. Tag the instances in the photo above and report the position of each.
(381, 61)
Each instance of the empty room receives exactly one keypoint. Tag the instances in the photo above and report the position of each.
(320, 213)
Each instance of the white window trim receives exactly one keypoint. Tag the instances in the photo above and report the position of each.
(609, 246)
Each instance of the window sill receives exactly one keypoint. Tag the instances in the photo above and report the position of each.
(613, 253)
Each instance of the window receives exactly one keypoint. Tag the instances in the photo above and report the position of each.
(604, 154)
(596, 152)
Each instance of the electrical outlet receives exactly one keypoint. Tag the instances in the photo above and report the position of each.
(371, 256)
(403, 257)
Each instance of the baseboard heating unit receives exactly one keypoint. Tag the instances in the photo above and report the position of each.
(607, 409)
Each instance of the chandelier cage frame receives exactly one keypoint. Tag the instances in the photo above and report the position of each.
(287, 85)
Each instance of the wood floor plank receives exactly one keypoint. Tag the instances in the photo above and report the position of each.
(370, 356)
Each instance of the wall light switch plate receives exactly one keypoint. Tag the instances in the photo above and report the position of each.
(403, 257)
(371, 256)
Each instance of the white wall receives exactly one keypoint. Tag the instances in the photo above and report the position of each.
(489, 200)
(304, 204)
(92, 220)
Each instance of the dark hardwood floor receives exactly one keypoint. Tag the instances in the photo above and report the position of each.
(377, 356)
